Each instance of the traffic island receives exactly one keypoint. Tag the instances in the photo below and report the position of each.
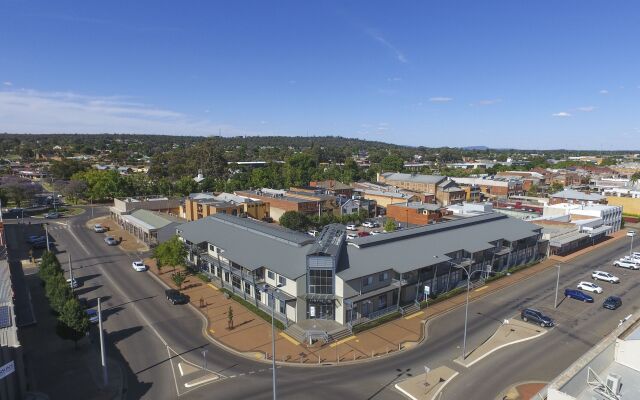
(428, 385)
(509, 333)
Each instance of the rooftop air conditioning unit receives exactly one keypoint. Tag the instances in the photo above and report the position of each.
(614, 384)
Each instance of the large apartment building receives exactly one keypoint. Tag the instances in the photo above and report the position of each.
(281, 201)
(200, 205)
(445, 190)
(337, 283)
(494, 187)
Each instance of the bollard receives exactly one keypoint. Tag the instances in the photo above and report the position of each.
(318, 360)
(354, 355)
(399, 346)
(371, 353)
(337, 356)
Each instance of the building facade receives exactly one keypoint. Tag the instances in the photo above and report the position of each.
(347, 282)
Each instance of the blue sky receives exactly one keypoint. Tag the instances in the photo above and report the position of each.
(524, 74)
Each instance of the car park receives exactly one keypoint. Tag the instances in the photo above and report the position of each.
(73, 283)
(529, 314)
(578, 295)
(612, 302)
(111, 241)
(589, 287)
(175, 297)
(139, 266)
(352, 227)
(604, 276)
(626, 264)
(99, 228)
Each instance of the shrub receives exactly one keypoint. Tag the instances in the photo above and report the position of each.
(376, 322)
(254, 309)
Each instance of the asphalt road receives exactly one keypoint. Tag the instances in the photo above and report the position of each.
(143, 330)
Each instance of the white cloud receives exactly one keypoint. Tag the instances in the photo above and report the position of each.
(486, 102)
(604, 91)
(7, 83)
(440, 99)
(586, 108)
(384, 42)
(32, 111)
(561, 114)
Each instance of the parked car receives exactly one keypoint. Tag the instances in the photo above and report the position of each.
(604, 276)
(93, 315)
(111, 241)
(175, 297)
(578, 295)
(612, 302)
(52, 215)
(139, 266)
(351, 236)
(631, 258)
(375, 233)
(99, 228)
(40, 244)
(529, 314)
(368, 224)
(631, 233)
(35, 238)
(363, 234)
(626, 264)
(589, 287)
(352, 227)
(73, 283)
(313, 232)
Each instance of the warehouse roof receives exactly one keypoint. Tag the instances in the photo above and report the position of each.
(395, 176)
(576, 195)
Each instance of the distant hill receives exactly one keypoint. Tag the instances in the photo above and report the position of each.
(475, 148)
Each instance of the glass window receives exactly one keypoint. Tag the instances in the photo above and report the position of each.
(283, 307)
(367, 281)
(282, 280)
(382, 302)
(321, 281)
(235, 280)
(383, 276)
(271, 275)
(247, 288)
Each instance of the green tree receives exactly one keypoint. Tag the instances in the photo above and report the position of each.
(533, 191)
(556, 187)
(172, 252)
(49, 266)
(73, 322)
(58, 291)
(389, 225)
(102, 185)
(66, 167)
(635, 177)
(392, 163)
(186, 185)
(299, 169)
(294, 220)
(178, 278)
(230, 318)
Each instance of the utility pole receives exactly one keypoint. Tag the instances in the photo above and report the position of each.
(103, 359)
(555, 303)
(631, 247)
(46, 234)
(70, 272)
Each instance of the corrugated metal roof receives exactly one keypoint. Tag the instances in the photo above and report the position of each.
(396, 176)
(152, 219)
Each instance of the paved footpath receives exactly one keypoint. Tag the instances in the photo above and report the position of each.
(251, 335)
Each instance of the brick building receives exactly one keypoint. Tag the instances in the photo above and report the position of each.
(414, 213)
(445, 190)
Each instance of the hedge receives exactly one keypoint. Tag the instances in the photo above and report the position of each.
(254, 309)
(376, 322)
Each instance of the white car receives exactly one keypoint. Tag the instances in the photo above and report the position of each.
(589, 287)
(631, 259)
(604, 276)
(73, 283)
(631, 233)
(352, 227)
(139, 266)
(352, 236)
(374, 233)
(626, 264)
(368, 224)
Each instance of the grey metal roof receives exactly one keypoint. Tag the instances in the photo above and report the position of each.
(152, 219)
(396, 176)
(414, 248)
(330, 240)
(252, 244)
(576, 195)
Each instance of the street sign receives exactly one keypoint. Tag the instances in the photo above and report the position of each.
(7, 369)
(427, 291)
(312, 311)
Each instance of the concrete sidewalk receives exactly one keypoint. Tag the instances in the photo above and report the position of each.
(251, 334)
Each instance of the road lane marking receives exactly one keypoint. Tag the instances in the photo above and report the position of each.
(342, 341)
(415, 315)
(79, 241)
(482, 288)
(289, 338)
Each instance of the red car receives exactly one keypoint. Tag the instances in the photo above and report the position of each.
(363, 234)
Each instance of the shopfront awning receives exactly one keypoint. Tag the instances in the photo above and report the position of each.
(372, 293)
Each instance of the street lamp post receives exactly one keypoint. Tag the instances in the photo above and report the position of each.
(46, 235)
(555, 303)
(631, 247)
(273, 335)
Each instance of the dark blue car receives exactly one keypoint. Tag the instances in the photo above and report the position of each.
(578, 295)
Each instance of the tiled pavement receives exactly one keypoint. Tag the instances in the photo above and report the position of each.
(252, 335)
